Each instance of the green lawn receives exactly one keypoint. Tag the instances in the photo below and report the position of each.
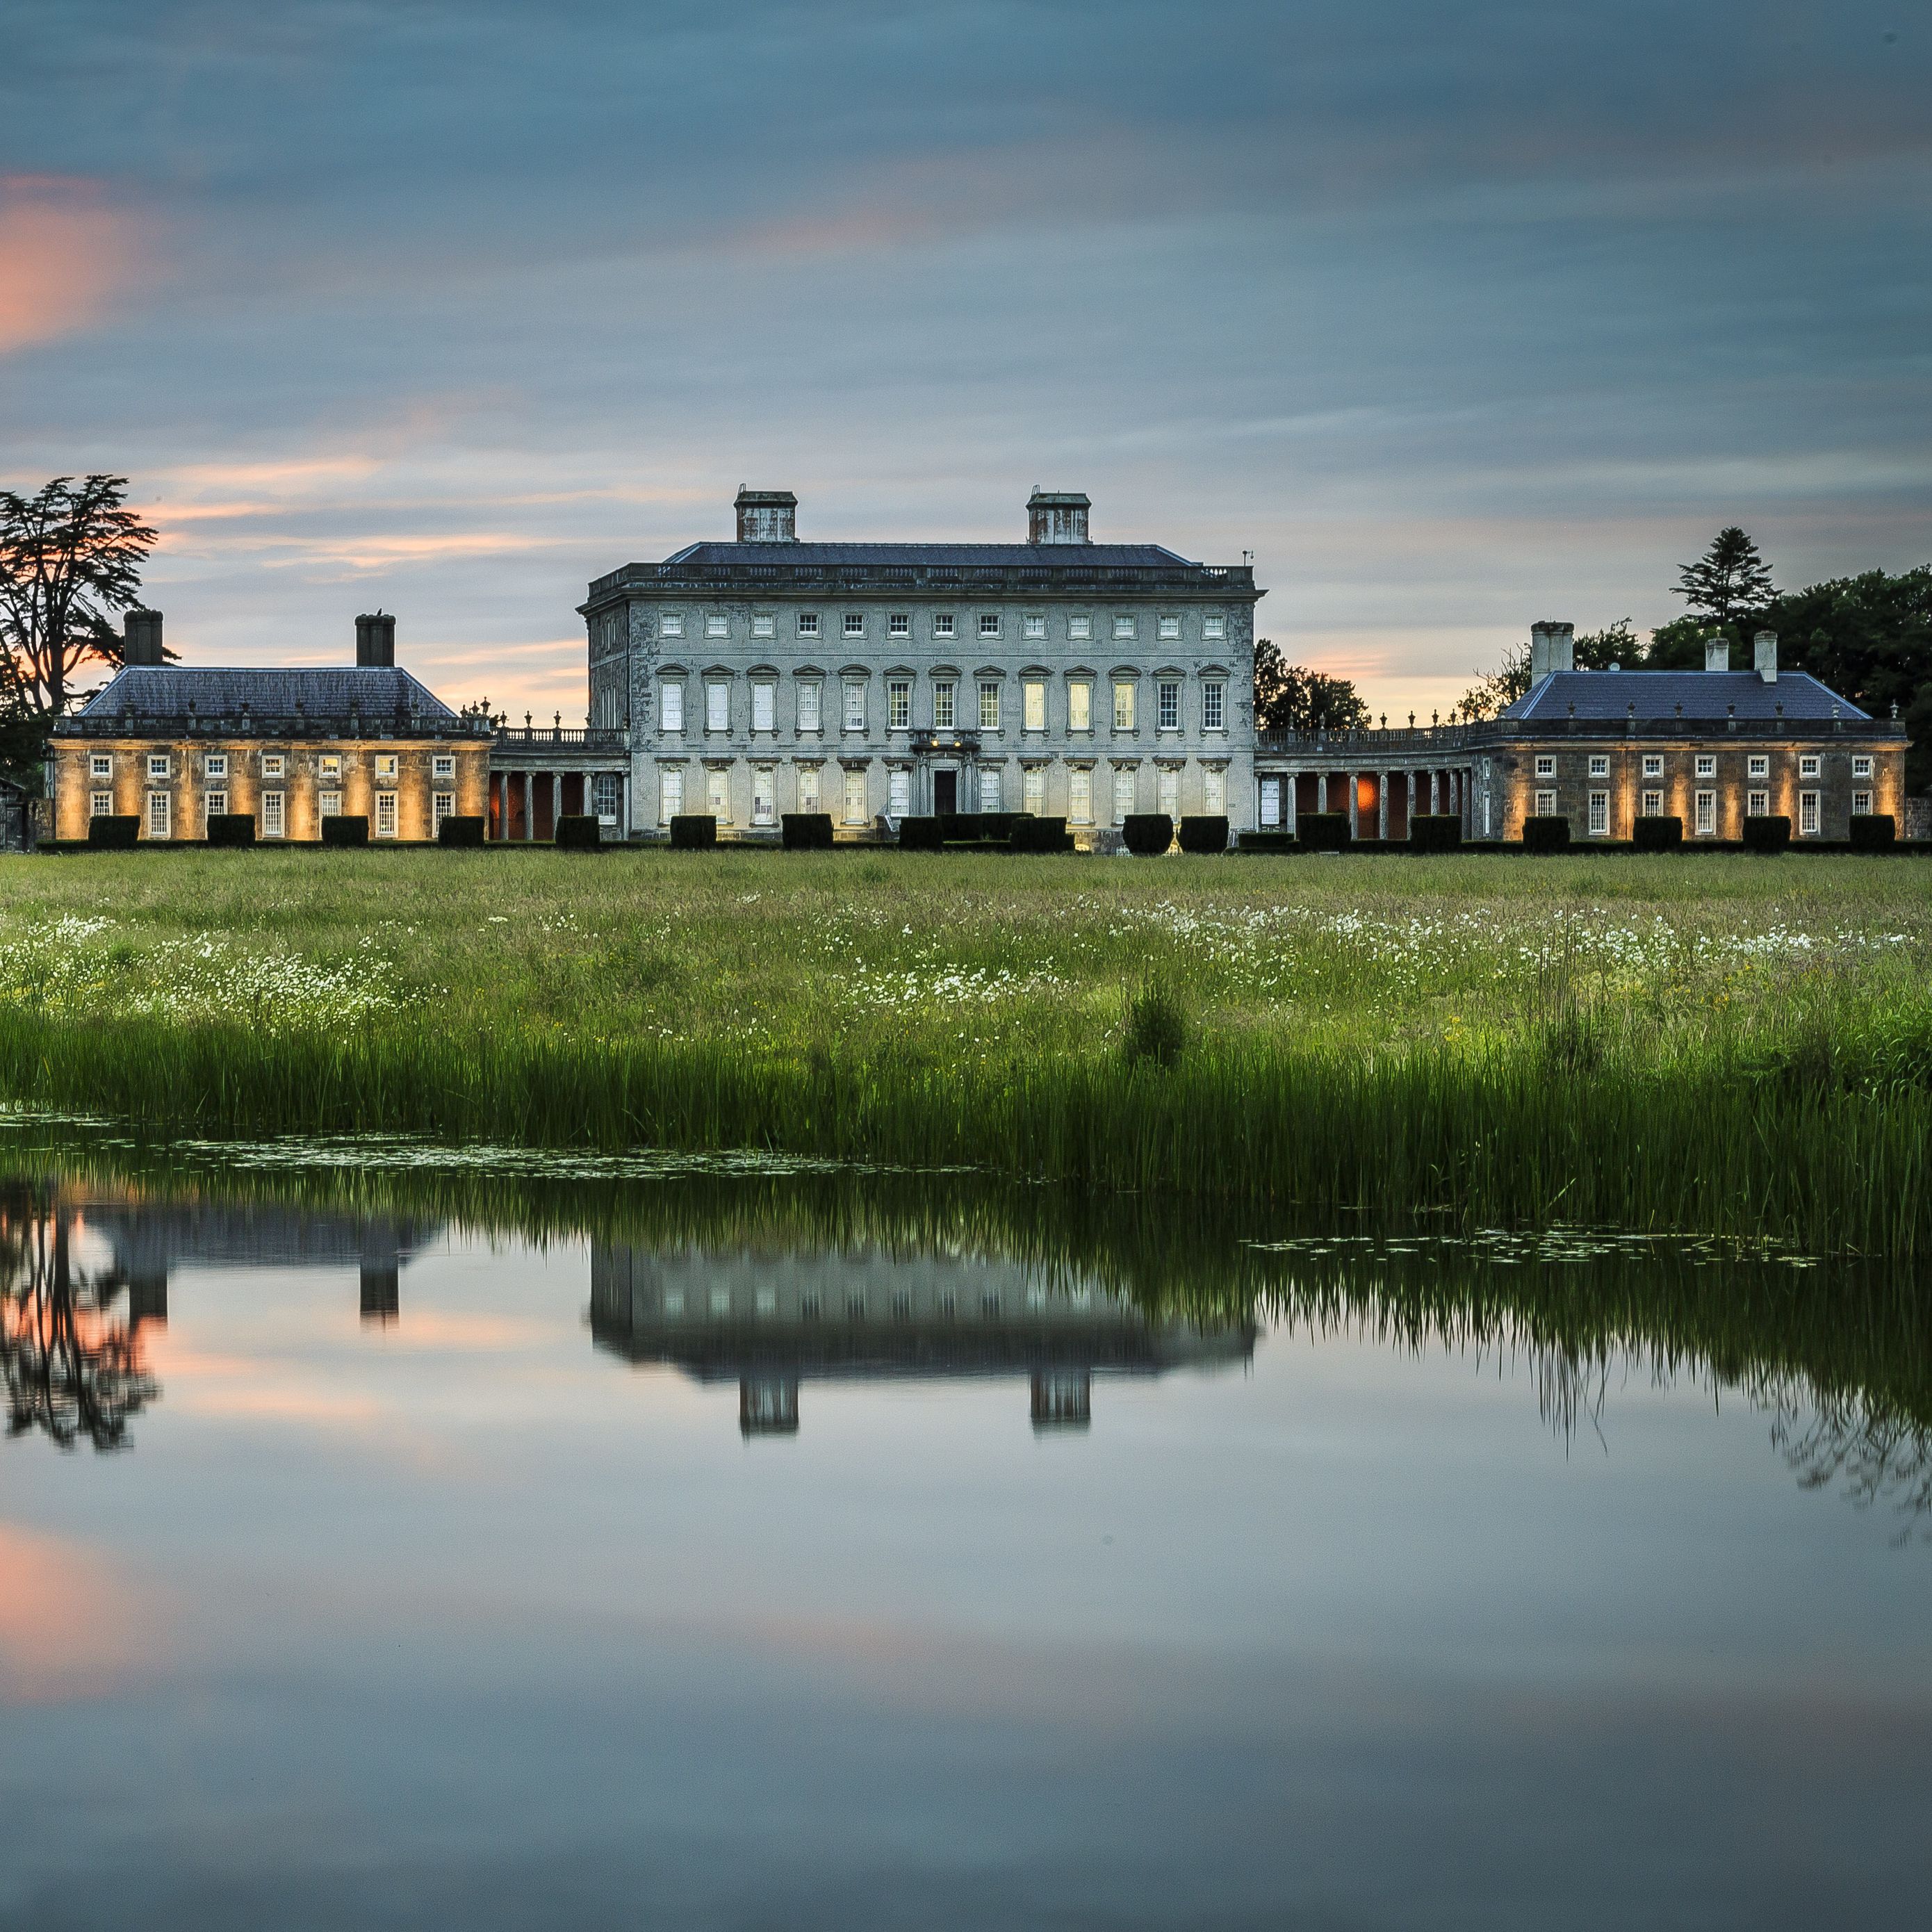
(1641, 1039)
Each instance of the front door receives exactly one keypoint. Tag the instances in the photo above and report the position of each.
(946, 791)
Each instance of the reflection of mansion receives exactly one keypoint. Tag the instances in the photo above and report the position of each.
(769, 1323)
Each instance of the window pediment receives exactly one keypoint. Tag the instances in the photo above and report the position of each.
(989, 671)
(1124, 673)
(808, 670)
(673, 670)
(943, 671)
(1080, 670)
(855, 671)
(1035, 671)
(719, 671)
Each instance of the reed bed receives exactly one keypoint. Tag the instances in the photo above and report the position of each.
(1734, 1046)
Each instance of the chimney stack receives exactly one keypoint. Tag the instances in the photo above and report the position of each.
(1717, 651)
(376, 640)
(766, 516)
(141, 637)
(1766, 646)
(1552, 647)
(1057, 517)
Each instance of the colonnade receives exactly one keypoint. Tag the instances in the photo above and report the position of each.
(526, 805)
(1367, 795)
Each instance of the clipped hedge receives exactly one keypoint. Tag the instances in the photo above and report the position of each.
(578, 831)
(231, 828)
(464, 831)
(1146, 834)
(1204, 835)
(1874, 832)
(978, 828)
(1434, 831)
(805, 831)
(1549, 832)
(920, 832)
(1264, 841)
(693, 831)
(1657, 835)
(1323, 832)
(112, 833)
(344, 828)
(1769, 833)
(1039, 834)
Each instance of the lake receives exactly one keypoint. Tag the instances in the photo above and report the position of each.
(441, 1543)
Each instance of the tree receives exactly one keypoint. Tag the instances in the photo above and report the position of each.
(1291, 697)
(70, 558)
(1729, 581)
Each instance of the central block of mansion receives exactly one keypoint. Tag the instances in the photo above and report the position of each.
(1060, 676)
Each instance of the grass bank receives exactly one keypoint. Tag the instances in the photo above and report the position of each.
(1738, 1045)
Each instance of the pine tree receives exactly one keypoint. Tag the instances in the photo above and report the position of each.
(1730, 580)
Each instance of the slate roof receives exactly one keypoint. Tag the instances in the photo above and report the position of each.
(937, 556)
(1604, 695)
(326, 692)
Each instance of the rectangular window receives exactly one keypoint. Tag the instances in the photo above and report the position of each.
(717, 705)
(1033, 789)
(942, 625)
(1123, 794)
(329, 766)
(1080, 796)
(1653, 804)
(945, 706)
(441, 805)
(100, 766)
(1807, 768)
(717, 626)
(442, 768)
(1167, 788)
(217, 766)
(1862, 804)
(1760, 767)
(808, 696)
(1123, 630)
(158, 767)
(1600, 813)
(718, 795)
(1599, 766)
(101, 805)
(386, 767)
(764, 795)
(1862, 768)
(328, 804)
(1214, 710)
(671, 707)
(764, 706)
(274, 765)
(989, 705)
(899, 624)
(1033, 705)
(898, 704)
(1214, 793)
(764, 625)
(385, 812)
(807, 787)
(1167, 704)
(1705, 819)
(1123, 705)
(1213, 628)
(1807, 814)
(1546, 805)
(1079, 706)
(1271, 802)
(1653, 765)
(1758, 805)
(855, 623)
(989, 623)
(605, 793)
(989, 788)
(670, 794)
(1707, 767)
(1546, 768)
(898, 791)
(1036, 626)
(855, 798)
(216, 803)
(855, 707)
(673, 624)
(1080, 628)
(160, 815)
(1170, 629)
(808, 623)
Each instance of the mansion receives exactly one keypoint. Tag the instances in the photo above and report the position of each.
(1059, 676)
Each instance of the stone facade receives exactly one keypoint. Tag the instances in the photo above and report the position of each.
(868, 681)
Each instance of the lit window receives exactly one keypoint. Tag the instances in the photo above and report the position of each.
(764, 706)
(942, 625)
(1080, 797)
(1036, 627)
(1123, 705)
(1599, 766)
(1033, 789)
(272, 764)
(329, 766)
(1170, 629)
(1124, 798)
(442, 768)
(101, 805)
(808, 623)
(808, 695)
(1653, 804)
(807, 787)
(441, 806)
(898, 791)
(1033, 705)
(1600, 813)
(672, 708)
(1080, 628)
(1123, 628)
(1862, 804)
(1167, 705)
(855, 707)
(989, 623)
(764, 795)
(989, 788)
(158, 767)
(1807, 814)
(1862, 768)
(718, 795)
(717, 626)
(944, 708)
(328, 804)
(217, 804)
(1214, 709)
(673, 624)
(717, 705)
(898, 703)
(1758, 805)
(1653, 765)
(1546, 768)
(1760, 767)
(855, 798)
(899, 624)
(386, 766)
(1707, 767)
(100, 766)
(1214, 793)
(1079, 706)
(385, 814)
(989, 705)
(1214, 628)
(1807, 768)
(670, 794)
(855, 623)
(764, 625)
(159, 816)
(1546, 805)
(1706, 818)
(217, 764)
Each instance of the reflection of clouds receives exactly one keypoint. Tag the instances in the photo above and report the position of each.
(71, 1625)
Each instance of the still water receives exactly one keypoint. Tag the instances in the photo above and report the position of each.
(751, 1556)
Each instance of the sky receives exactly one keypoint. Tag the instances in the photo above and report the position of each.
(1457, 316)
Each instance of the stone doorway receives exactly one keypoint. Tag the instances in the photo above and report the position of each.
(946, 791)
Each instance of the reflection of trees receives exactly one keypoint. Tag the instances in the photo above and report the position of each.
(1873, 1455)
(71, 1369)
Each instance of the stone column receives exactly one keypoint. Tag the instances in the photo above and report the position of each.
(1382, 804)
(1290, 783)
(1354, 806)
(529, 805)
(556, 800)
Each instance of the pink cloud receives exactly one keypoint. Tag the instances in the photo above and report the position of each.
(65, 255)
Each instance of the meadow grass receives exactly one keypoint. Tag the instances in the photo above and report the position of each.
(1728, 1044)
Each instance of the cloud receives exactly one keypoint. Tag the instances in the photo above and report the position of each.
(66, 255)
